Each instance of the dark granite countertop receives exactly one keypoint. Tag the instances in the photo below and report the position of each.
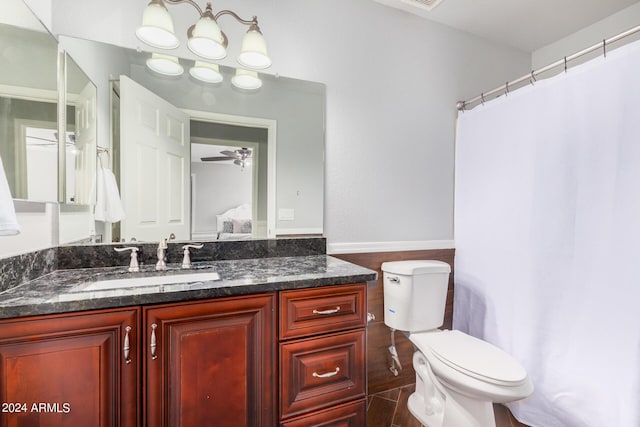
(62, 290)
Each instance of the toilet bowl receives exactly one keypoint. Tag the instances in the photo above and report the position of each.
(458, 377)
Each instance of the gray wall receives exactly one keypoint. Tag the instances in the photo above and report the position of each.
(604, 29)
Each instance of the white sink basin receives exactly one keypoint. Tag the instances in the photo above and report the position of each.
(150, 281)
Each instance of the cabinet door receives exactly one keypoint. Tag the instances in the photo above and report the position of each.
(211, 363)
(69, 370)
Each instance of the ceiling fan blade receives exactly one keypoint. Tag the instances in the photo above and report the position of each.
(233, 154)
(216, 159)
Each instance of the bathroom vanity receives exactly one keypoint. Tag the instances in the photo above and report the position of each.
(276, 340)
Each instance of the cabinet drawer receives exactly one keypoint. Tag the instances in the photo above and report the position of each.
(349, 415)
(320, 372)
(320, 310)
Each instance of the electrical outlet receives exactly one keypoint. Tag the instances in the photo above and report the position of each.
(286, 214)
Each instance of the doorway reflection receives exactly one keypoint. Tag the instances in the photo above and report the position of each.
(222, 192)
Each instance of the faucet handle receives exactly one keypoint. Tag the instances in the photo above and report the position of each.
(163, 244)
(161, 264)
(186, 260)
(133, 264)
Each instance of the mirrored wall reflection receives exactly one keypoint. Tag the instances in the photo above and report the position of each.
(80, 141)
(30, 144)
(293, 109)
(28, 104)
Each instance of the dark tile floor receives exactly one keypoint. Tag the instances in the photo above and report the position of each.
(389, 409)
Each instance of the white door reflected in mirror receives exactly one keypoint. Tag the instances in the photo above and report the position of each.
(155, 166)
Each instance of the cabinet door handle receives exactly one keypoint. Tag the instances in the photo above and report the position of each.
(333, 310)
(154, 343)
(126, 347)
(326, 375)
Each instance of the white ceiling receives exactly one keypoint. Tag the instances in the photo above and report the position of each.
(524, 24)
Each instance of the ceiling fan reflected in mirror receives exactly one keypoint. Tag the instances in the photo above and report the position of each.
(240, 157)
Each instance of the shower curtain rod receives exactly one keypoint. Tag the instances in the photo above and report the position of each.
(531, 77)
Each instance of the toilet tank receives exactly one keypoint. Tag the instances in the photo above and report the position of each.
(415, 294)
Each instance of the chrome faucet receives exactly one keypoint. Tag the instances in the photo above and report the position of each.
(133, 264)
(186, 260)
(162, 247)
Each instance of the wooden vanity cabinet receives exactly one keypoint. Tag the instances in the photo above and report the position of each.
(322, 356)
(211, 363)
(198, 363)
(70, 370)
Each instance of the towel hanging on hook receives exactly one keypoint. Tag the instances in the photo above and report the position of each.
(108, 206)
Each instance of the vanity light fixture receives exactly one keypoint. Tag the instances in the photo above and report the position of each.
(157, 27)
(246, 79)
(206, 72)
(165, 64)
(205, 38)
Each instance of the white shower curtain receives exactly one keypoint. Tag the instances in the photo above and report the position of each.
(547, 230)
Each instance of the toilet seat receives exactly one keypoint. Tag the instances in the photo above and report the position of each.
(471, 356)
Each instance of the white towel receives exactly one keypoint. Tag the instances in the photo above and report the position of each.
(8, 222)
(108, 204)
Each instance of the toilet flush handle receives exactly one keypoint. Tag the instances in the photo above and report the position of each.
(394, 279)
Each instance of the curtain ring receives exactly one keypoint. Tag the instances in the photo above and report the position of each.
(565, 64)
(506, 88)
(604, 48)
(482, 98)
(532, 80)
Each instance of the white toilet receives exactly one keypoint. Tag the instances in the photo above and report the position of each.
(458, 377)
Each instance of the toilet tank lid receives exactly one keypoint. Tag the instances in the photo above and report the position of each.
(415, 267)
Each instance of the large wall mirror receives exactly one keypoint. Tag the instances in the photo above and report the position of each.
(80, 137)
(256, 155)
(48, 154)
(28, 104)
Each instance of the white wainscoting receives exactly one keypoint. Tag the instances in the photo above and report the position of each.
(365, 247)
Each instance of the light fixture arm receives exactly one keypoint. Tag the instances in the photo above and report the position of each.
(252, 22)
(191, 2)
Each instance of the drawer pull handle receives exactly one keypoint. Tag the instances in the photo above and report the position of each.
(333, 310)
(154, 343)
(126, 347)
(327, 375)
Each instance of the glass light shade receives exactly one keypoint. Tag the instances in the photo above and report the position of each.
(246, 79)
(253, 53)
(157, 27)
(208, 73)
(205, 39)
(165, 64)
